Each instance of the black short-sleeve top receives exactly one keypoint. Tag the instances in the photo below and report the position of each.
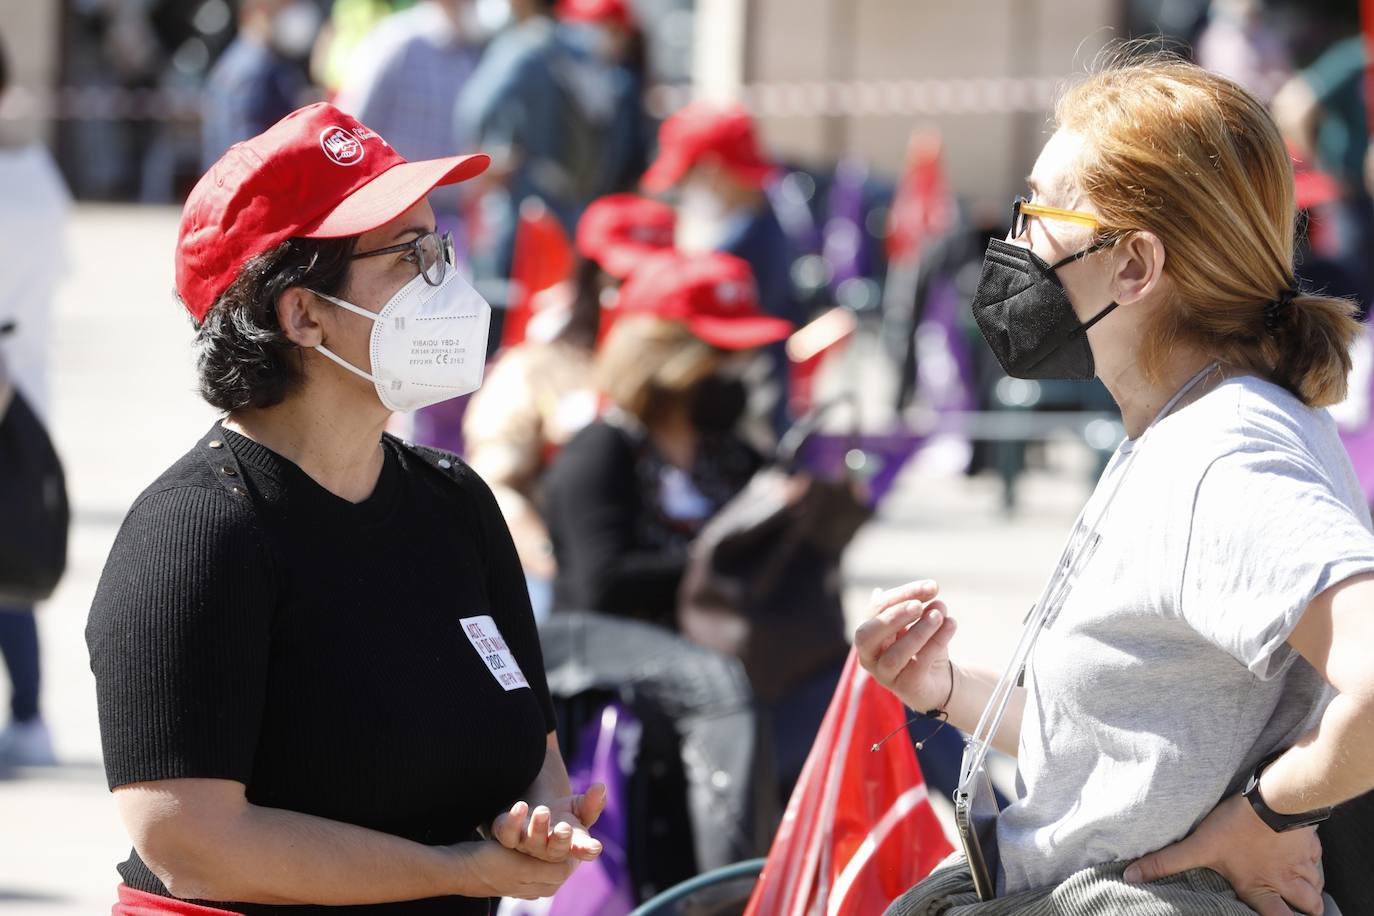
(374, 663)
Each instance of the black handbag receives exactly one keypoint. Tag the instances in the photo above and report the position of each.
(34, 515)
(763, 577)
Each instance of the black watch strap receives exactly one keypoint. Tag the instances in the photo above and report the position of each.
(1278, 822)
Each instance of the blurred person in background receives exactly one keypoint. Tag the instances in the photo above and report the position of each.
(406, 74)
(1322, 113)
(709, 155)
(348, 23)
(110, 47)
(33, 224)
(946, 282)
(545, 108)
(609, 30)
(540, 392)
(949, 269)
(403, 80)
(255, 83)
(1239, 43)
(318, 677)
(1315, 193)
(629, 493)
(623, 501)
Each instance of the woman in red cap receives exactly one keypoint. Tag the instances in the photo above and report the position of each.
(709, 156)
(631, 491)
(318, 676)
(540, 392)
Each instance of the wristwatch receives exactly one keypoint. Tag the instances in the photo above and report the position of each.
(1278, 822)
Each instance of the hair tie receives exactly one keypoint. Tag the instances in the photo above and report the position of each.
(1275, 308)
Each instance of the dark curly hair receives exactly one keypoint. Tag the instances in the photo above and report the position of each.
(242, 356)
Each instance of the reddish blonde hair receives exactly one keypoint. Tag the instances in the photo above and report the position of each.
(1196, 160)
(645, 359)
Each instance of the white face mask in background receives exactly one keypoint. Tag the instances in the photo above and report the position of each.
(491, 16)
(701, 219)
(428, 344)
(295, 27)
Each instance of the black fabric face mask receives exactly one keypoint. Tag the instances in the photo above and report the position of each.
(718, 402)
(1025, 315)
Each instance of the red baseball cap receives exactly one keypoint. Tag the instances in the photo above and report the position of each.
(619, 231)
(1312, 187)
(713, 294)
(596, 11)
(703, 130)
(317, 173)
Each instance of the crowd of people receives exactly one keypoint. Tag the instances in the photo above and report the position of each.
(574, 466)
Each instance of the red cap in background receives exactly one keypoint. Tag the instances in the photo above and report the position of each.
(1312, 187)
(316, 173)
(713, 294)
(705, 130)
(619, 231)
(616, 11)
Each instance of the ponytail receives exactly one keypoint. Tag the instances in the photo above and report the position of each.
(1311, 343)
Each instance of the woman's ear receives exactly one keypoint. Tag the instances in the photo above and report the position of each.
(1139, 267)
(299, 312)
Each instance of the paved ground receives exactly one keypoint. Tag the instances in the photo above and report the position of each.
(125, 408)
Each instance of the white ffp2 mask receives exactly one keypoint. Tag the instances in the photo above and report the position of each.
(429, 343)
(701, 219)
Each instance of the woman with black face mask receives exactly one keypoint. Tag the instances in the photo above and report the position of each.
(1192, 694)
(628, 495)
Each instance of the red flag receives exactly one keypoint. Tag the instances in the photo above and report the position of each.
(542, 258)
(809, 347)
(859, 830)
(923, 207)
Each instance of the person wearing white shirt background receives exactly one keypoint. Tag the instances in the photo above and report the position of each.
(33, 219)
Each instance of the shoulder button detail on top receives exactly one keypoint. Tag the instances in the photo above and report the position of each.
(215, 443)
(238, 491)
(445, 463)
(227, 471)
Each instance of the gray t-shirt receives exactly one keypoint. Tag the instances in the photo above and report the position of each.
(1167, 676)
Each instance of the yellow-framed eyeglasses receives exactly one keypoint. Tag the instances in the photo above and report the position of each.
(1022, 208)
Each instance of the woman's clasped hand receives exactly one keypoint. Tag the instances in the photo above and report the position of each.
(553, 832)
(533, 851)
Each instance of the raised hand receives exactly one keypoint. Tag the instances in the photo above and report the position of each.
(904, 644)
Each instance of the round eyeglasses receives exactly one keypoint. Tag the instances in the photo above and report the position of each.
(432, 252)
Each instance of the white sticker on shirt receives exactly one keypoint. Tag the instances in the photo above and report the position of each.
(491, 646)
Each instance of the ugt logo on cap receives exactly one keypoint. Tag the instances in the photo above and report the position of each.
(340, 146)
